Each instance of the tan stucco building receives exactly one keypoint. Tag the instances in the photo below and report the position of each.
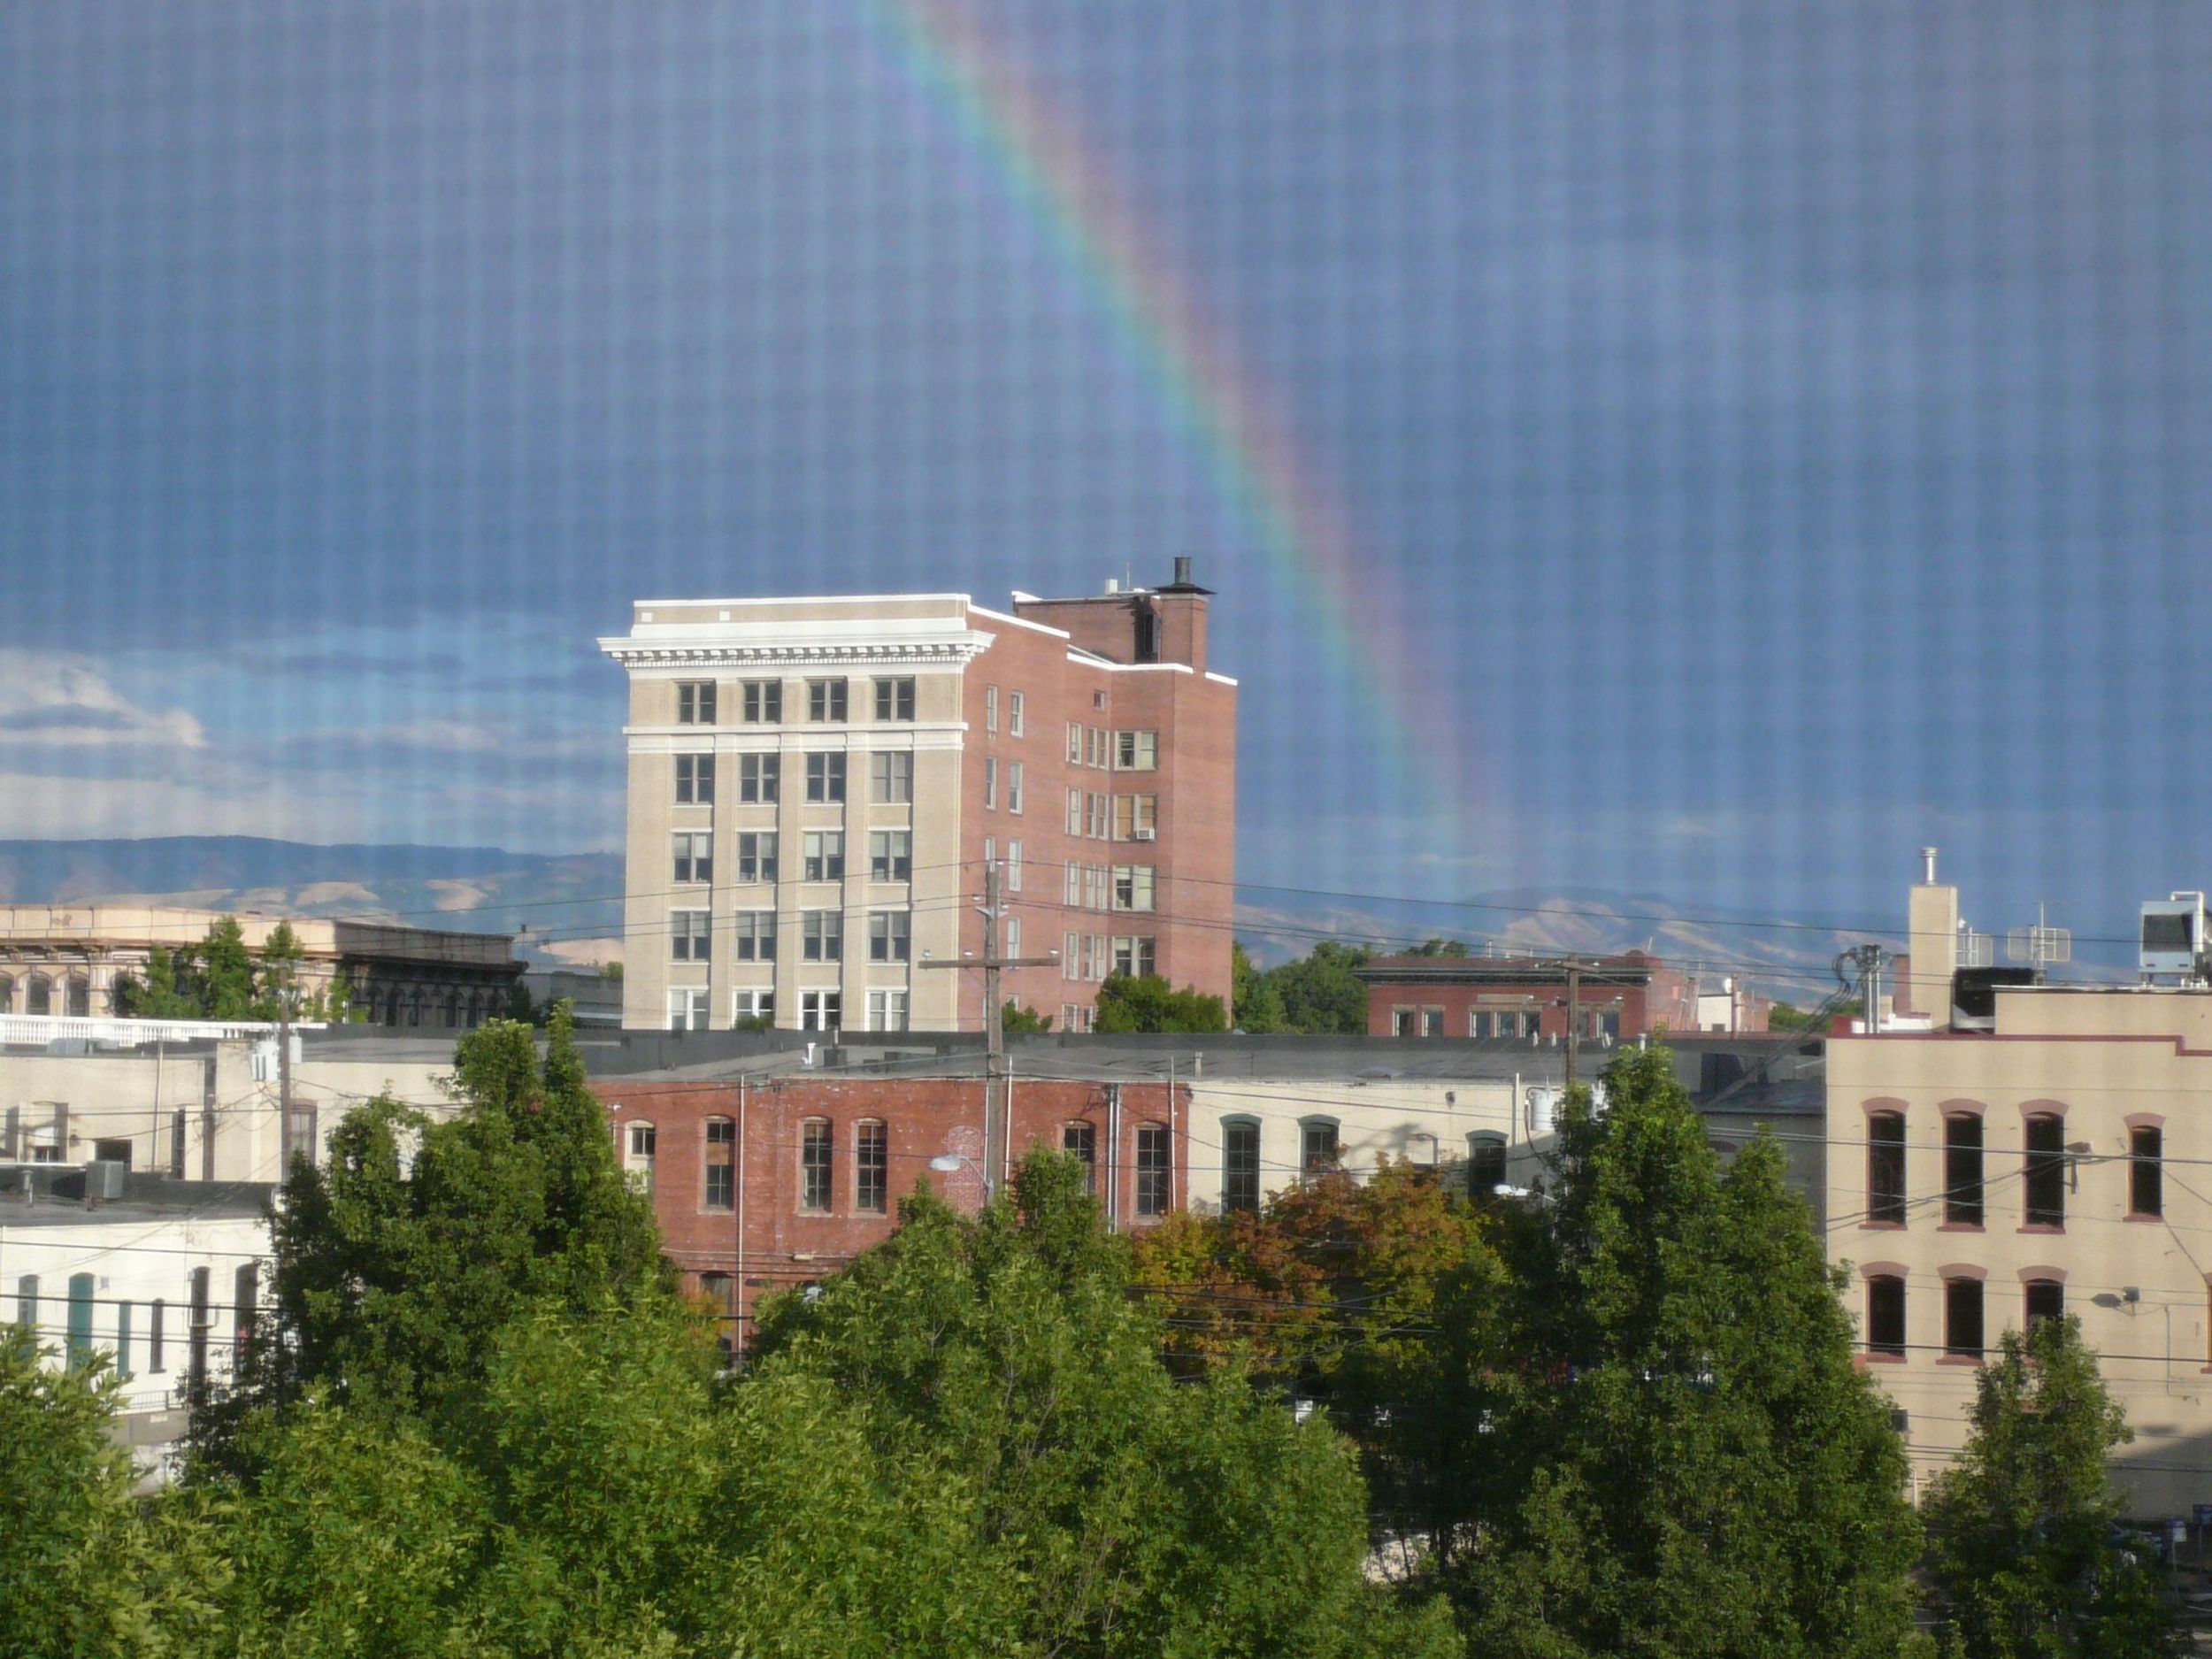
(65, 960)
(816, 784)
(2057, 1162)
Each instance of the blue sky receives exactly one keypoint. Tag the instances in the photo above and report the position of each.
(1787, 427)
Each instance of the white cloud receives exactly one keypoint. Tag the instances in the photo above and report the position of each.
(62, 700)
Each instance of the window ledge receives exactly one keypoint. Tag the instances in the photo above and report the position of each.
(1963, 1227)
(1883, 1359)
(1975, 1360)
(2137, 1215)
(2044, 1226)
(1881, 1226)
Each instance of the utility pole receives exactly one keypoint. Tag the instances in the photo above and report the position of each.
(996, 1066)
(284, 1084)
(1574, 1018)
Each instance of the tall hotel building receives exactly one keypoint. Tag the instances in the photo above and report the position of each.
(816, 787)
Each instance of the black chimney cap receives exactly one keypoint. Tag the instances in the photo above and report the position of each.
(1182, 584)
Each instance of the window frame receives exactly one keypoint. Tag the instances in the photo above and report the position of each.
(891, 777)
(1153, 1169)
(1886, 1333)
(760, 702)
(1965, 1170)
(1487, 1153)
(1331, 1156)
(890, 936)
(818, 859)
(895, 860)
(1959, 1292)
(895, 698)
(696, 703)
(694, 778)
(759, 778)
(756, 853)
(692, 865)
(2147, 1170)
(691, 935)
(1136, 749)
(2041, 1289)
(817, 1167)
(825, 777)
(1079, 1140)
(872, 1167)
(822, 935)
(1240, 1183)
(828, 701)
(2044, 1171)
(1885, 1190)
(719, 1134)
(754, 936)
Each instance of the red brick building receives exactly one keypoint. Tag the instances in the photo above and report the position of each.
(817, 786)
(764, 1185)
(1518, 998)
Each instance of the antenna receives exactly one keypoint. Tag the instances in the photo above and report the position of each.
(2041, 945)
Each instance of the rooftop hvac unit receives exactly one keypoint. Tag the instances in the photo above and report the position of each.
(2173, 938)
(104, 1180)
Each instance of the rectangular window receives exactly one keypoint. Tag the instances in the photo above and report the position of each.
(1014, 770)
(1013, 935)
(817, 1165)
(1071, 886)
(1075, 743)
(1152, 1170)
(895, 699)
(887, 1010)
(1013, 866)
(872, 1170)
(890, 855)
(1136, 817)
(1014, 714)
(1097, 814)
(200, 1321)
(1240, 1166)
(2046, 1300)
(2046, 1186)
(157, 1336)
(764, 702)
(694, 702)
(1079, 1141)
(1132, 886)
(695, 779)
(1485, 1165)
(1962, 1318)
(2147, 1177)
(1431, 1022)
(1075, 811)
(687, 1009)
(643, 1141)
(823, 855)
(1962, 1170)
(990, 783)
(990, 707)
(755, 935)
(889, 935)
(1096, 887)
(695, 858)
(81, 1302)
(1886, 1167)
(822, 936)
(688, 937)
(751, 1006)
(1096, 744)
(1136, 751)
(826, 700)
(1885, 1315)
(821, 1010)
(721, 1184)
(756, 856)
(1068, 949)
(825, 777)
(1134, 957)
(759, 778)
(1318, 1150)
(891, 778)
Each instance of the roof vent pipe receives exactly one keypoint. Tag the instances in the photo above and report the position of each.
(1927, 859)
(1113, 583)
(1182, 569)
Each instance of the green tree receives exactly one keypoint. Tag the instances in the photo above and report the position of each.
(1434, 947)
(1321, 995)
(1254, 1002)
(222, 976)
(277, 980)
(1692, 1464)
(2021, 1539)
(1149, 1002)
(392, 1276)
(87, 1568)
(1019, 1020)
(1140, 1516)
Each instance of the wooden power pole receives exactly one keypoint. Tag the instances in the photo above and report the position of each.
(995, 1066)
(1574, 1019)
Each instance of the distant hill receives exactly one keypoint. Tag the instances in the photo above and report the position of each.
(570, 901)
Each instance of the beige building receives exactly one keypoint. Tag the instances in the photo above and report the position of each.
(2058, 1162)
(67, 960)
(816, 787)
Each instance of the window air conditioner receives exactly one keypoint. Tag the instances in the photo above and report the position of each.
(1143, 833)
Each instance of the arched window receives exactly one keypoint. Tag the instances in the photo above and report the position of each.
(1240, 1165)
(414, 1008)
(2146, 1174)
(2047, 1170)
(1079, 1141)
(1885, 1315)
(1962, 1318)
(1485, 1166)
(452, 1009)
(1318, 1149)
(40, 1000)
(7, 994)
(817, 1165)
(1886, 1168)
(720, 1289)
(77, 990)
(391, 1009)
(475, 1010)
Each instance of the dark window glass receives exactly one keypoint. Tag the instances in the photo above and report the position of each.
(871, 1169)
(721, 1185)
(1886, 1167)
(1080, 1141)
(1962, 1170)
(1486, 1167)
(1962, 1318)
(1152, 1170)
(1319, 1149)
(2046, 1300)
(2047, 1172)
(825, 777)
(817, 1165)
(825, 699)
(157, 1335)
(203, 1318)
(1885, 1315)
(1240, 1166)
(2146, 1175)
(763, 701)
(245, 1298)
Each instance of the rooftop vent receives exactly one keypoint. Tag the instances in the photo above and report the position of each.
(1182, 569)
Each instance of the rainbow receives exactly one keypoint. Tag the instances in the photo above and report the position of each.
(1208, 393)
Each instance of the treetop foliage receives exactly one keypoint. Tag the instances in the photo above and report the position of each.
(1149, 1002)
(1318, 995)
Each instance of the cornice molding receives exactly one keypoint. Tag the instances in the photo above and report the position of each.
(781, 655)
